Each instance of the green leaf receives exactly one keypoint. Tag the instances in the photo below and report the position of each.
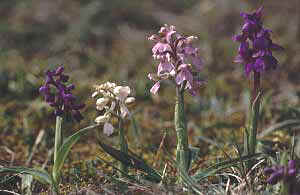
(65, 149)
(194, 153)
(131, 161)
(199, 175)
(126, 175)
(281, 125)
(189, 181)
(136, 130)
(40, 175)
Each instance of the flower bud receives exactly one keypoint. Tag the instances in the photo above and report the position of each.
(95, 94)
(153, 38)
(124, 110)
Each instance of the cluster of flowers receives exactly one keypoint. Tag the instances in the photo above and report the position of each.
(279, 173)
(178, 59)
(257, 58)
(287, 174)
(62, 99)
(113, 101)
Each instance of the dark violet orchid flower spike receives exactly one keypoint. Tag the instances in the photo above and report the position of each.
(258, 57)
(286, 174)
(255, 53)
(62, 99)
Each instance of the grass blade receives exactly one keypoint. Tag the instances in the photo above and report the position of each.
(282, 125)
(202, 174)
(129, 177)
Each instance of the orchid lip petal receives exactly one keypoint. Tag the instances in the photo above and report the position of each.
(108, 129)
(44, 89)
(102, 119)
(124, 111)
(59, 70)
(129, 100)
(155, 88)
(121, 92)
(275, 177)
(95, 94)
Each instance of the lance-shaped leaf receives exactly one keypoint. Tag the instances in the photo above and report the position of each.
(187, 180)
(199, 175)
(66, 147)
(131, 161)
(40, 175)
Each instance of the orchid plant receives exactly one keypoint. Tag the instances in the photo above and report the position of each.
(255, 53)
(179, 62)
(59, 96)
(63, 101)
(113, 102)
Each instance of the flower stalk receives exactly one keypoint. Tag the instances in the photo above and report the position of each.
(179, 62)
(182, 151)
(255, 102)
(123, 145)
(57, 144)
(250, 136)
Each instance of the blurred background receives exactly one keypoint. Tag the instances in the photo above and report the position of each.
(101, 40)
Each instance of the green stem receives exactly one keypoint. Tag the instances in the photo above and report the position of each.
(251, 131)
(285, 188)
(57, 144)
(182, 152)
(255, 112)
(123, 145)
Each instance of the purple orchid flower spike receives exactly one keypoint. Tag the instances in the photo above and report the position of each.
(277, 174)
(257, 58)
(286, 174)
(179, 62)
(178, 59)
(62, 99)
(255, 53)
